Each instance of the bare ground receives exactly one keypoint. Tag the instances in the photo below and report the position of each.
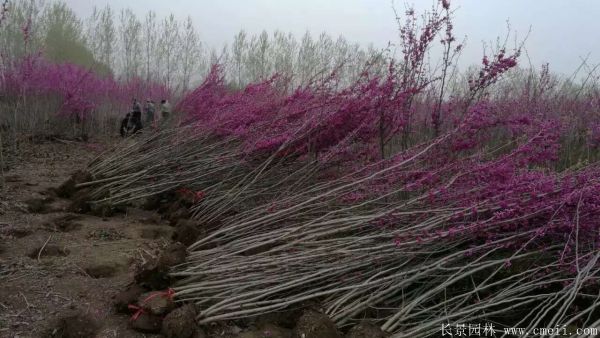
(60, 269)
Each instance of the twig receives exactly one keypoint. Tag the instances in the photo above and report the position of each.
(42, 248)
(26, 302)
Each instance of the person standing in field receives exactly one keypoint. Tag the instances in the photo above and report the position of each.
(165, 110)
(136, 116)
(125, 125)
(149, 109)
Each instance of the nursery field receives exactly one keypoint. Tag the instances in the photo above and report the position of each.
(378, 194)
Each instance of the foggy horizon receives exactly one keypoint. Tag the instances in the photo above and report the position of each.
(549, 38)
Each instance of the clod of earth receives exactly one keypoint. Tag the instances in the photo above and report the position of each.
(38, 205)
(68, 188)
(154, 276)
(12, 179)
(155, 232)
(221, 329)
(186, 232)
(366, 330)
(286, 318)
(65, 223)
(101, 270)
(80, 202)
(129, 296)
(146, 323)
(74, 326)
(50, 250)
(180, 213)
(180, 323)
(172, 255)
(152, 203)
(102, 210)
(269, 331)
(13, 231)
(315, 324)
(153, 219)
(156, 302)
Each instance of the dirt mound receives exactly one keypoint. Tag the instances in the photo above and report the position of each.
(180, 323)
(153, 276)
(156, 232)
(286, 318)
(64, 223)
(50, 250)
(187, 232)
(176, 212)
(11, 231)
(267, 330)
(101, 270)
(129, 296)
(172, 255)
(366, 330)
(314, 324)
(38, 205)
(68, 188)
(80, 196)
(73, 326)
(80, 201)
(146, 323)
(157, 302)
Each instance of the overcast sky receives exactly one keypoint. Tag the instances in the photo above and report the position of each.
(562, 31)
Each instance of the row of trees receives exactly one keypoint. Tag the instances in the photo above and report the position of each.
(168, 50)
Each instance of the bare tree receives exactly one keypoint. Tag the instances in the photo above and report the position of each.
(168, 44)
(130, 30)
(150, 41)
(190, 52)
(283, 51)
(257, 57)
(238, 51)
(100, 36)
(306, 58)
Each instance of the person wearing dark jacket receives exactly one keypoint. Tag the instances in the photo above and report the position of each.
(125, 125)
(136, 116)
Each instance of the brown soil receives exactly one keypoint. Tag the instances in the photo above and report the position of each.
(180, 323)
(73, 326)
(84, 261)
(366, 330)
(315, 324)
(67, 274)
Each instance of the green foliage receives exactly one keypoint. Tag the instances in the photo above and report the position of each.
(64, 41)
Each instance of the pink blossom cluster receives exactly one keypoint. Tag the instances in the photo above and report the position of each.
(496, 195)
(594, 135)
(316, 118)
(78, 91)
(492, 69)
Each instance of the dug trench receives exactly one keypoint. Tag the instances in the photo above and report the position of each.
(72, 269)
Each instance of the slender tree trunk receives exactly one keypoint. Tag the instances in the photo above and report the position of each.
(2, 180)
(437, 114)
(15, 126)
(381, 135)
